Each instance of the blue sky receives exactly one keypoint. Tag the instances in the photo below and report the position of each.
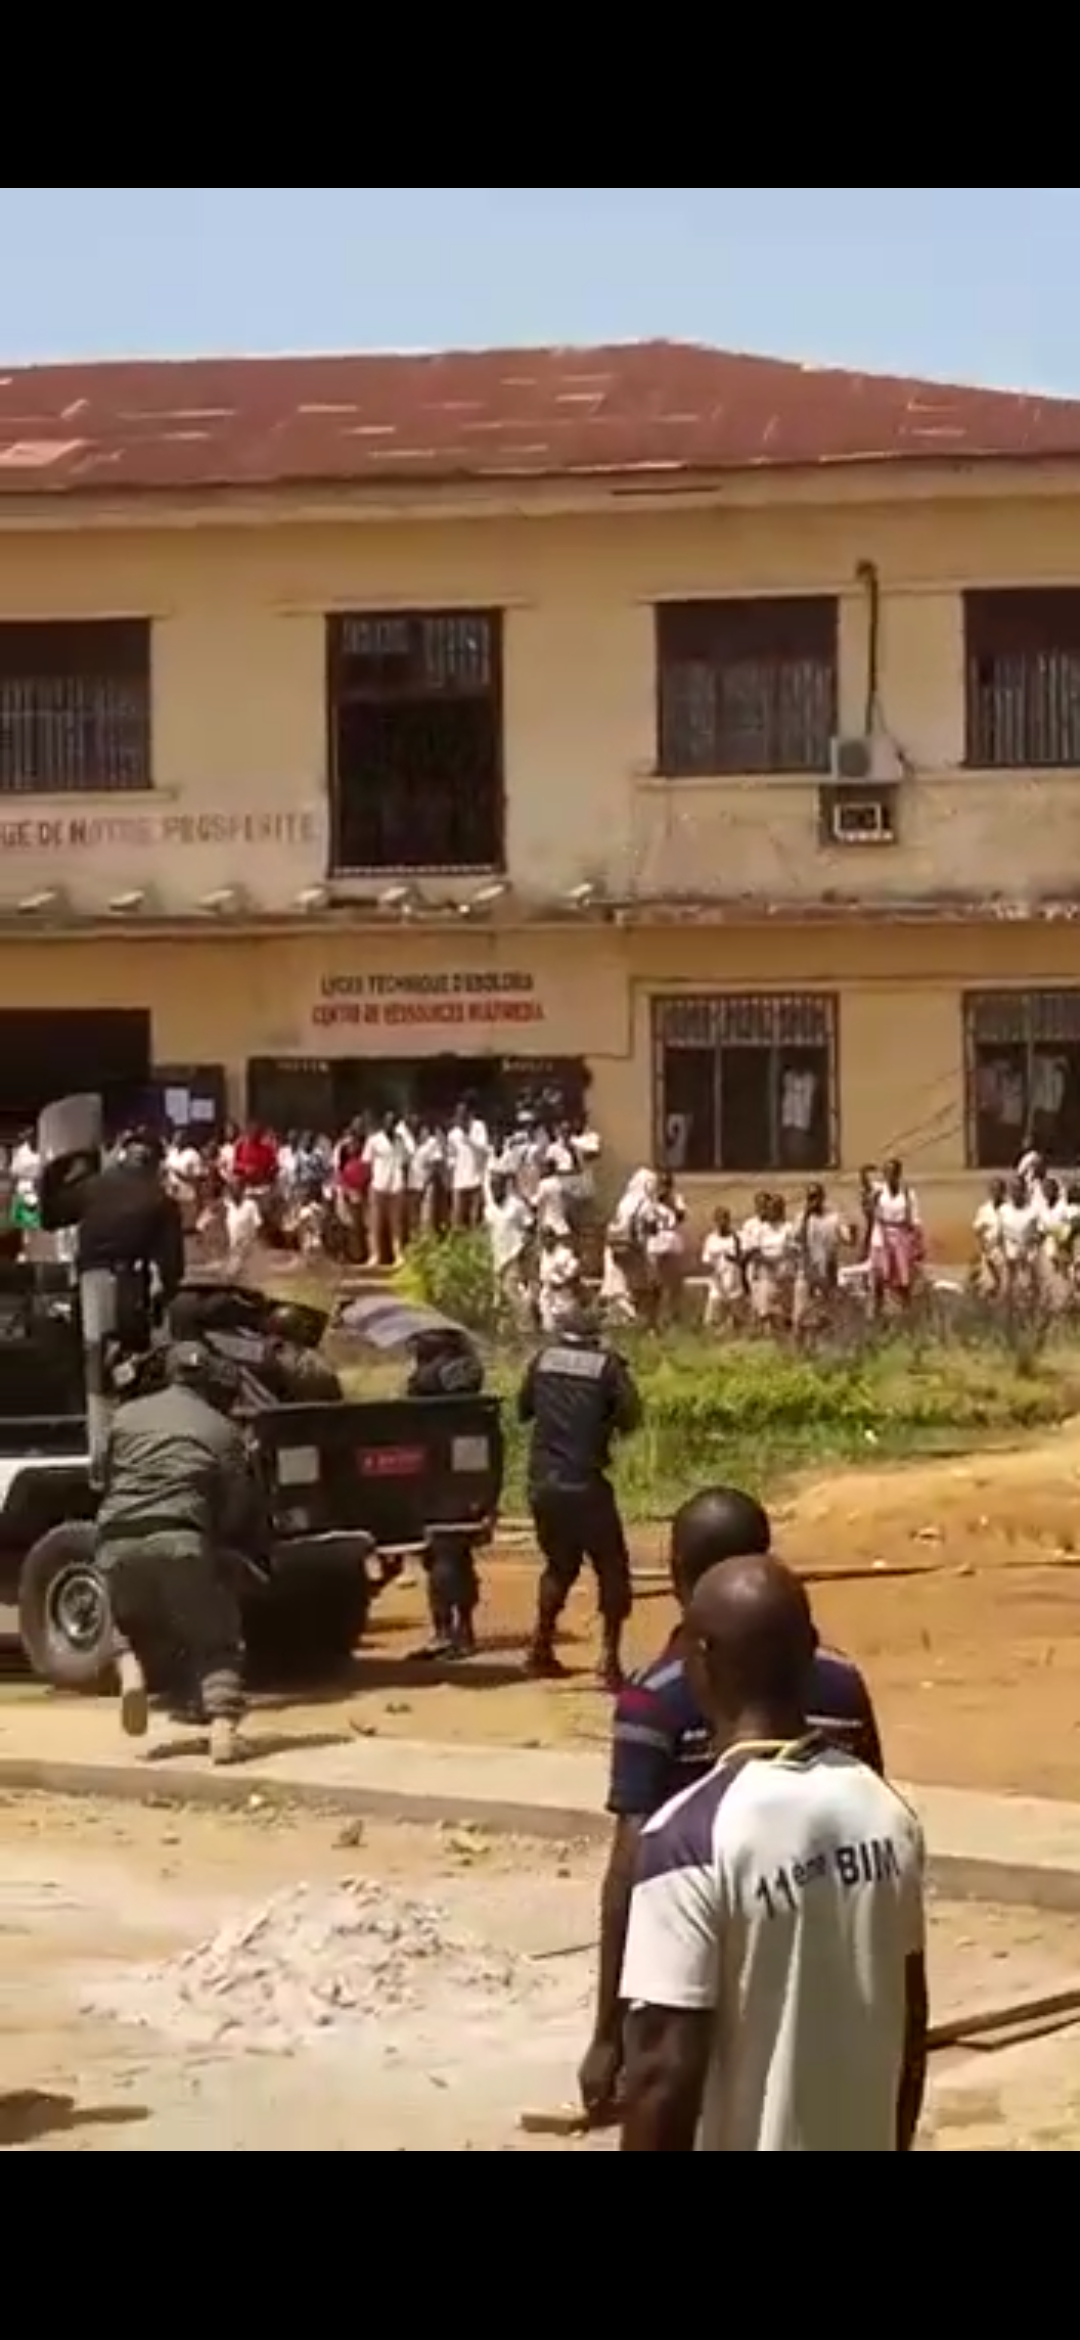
(968, 283)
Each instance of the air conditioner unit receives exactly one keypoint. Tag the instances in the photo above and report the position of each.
(859, 817)
(865, 756)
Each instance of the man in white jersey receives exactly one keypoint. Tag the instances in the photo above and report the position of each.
(775, 1960)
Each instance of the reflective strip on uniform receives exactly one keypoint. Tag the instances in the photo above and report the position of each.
(573, 1364)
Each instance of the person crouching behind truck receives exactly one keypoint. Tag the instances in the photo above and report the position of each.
(177, 1501)
(445, 1364)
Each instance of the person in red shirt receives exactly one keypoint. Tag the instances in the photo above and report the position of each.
(352, 1181)
(256, 1159)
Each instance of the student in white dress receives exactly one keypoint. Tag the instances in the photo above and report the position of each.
(722, 1260)
(772, 1264)
(896, 1241)
(625, 1265)
(1020, 1234)
(986, 1227)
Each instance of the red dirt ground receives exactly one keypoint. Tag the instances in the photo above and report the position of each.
(974, 1660)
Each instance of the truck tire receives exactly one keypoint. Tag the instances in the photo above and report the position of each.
(65, 1620)
(307, 1633)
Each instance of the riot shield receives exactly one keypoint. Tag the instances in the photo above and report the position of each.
(70, 1143)
(70, 1138)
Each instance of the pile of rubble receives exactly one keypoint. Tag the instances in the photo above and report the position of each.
(310, 1965)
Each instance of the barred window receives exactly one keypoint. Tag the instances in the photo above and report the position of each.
(747, 686)
(416, 742)
(746, 1083)
(1023, 679)
(1023, 1076)
(75, 707)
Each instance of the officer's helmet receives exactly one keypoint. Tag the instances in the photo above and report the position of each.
(141, 1151)
(191, 1365)
(581, 1323)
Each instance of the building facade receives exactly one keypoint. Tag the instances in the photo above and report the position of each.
(740, 795)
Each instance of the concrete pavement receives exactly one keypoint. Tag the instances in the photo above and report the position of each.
(993, 1848)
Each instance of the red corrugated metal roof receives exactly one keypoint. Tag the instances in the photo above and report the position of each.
(649, 408)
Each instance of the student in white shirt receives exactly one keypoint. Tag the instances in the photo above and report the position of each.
(510, 1225)
(427, 1182)
(587, 1149)
(387, 1156)
(750, 1230)
(1056, 1236)
(243, 1230)
(1019, 1229)
(664, 1223)
(469, 1149)
(558, 1280)
(549, 1201)
(1032, 1169)
(184, 1174)
(623, 1286)
(820, 1236)
(1055, 1217)
(775, 1962)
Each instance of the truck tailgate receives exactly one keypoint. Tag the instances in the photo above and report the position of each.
(396, 1467)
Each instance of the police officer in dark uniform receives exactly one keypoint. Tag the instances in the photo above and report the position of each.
(445, 1364)
(578, 1396)
(130, 1226)
(178, 1498)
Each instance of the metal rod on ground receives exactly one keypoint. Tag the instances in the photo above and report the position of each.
(958, 2029)
(1036, 2017)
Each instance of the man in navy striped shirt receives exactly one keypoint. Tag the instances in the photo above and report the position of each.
(663, 1743)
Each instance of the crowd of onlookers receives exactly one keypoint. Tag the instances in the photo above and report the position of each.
(534, 1188)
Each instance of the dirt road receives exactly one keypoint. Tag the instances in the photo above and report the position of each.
(193, 1929)
(973, 1652)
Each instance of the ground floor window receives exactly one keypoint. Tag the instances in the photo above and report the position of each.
(191, 1097)
(1023, 1076)
(746, 1083)
(326, 1093)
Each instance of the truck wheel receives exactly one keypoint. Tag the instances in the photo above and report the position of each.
(307, 1635)
(65, 1620)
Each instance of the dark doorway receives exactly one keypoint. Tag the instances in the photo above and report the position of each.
(325, 1094)
(60, 1052)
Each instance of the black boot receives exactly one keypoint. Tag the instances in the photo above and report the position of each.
(610, 1676)
(441, 1644)
(463, 1638)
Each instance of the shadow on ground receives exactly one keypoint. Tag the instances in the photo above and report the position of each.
(28, 2117)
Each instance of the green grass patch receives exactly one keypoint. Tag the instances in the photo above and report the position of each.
(754, 1412)
(756, 1415)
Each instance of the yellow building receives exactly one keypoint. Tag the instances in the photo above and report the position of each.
(699, 729)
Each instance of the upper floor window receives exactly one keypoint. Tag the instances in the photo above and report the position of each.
(746, 1083)
(74, 706)
(1023, 1076)
(747, 686)
(416, 742)
(1023, 679)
